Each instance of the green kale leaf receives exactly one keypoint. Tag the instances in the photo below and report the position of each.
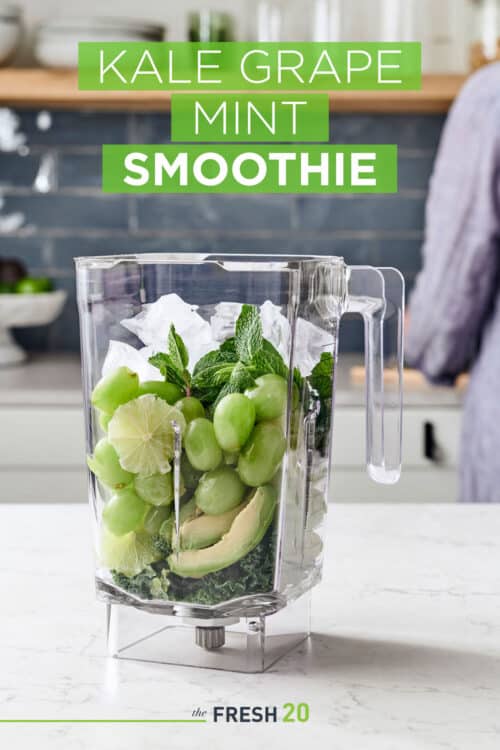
(321, 378)
(150, 583)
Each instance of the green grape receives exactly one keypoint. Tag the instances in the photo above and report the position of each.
(201, 445)
(219, 490)
(190, 475)
(157, 489)
(167, 391)
(154, 519)
(191, 407)
(262, 454)
(106, 466)
(115, 389)
(167, 528)
(124, 513)
(269, 397)
(234, 418)
(104, 420)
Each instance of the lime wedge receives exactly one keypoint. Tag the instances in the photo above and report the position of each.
(142, 434)
(127, 554)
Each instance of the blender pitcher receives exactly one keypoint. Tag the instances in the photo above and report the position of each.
(209, 398)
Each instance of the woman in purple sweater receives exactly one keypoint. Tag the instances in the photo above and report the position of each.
(455, 309)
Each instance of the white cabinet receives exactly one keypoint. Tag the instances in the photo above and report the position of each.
(42, 454)
(431, 437)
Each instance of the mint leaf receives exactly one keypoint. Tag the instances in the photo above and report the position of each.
(168, 368)
(241, 379)
(322, 375)
(213, 359)
(248, 333)
(177, 349)
(212, 372)
(173, 365)
(297, 378)
(229, 346)
(268, 360)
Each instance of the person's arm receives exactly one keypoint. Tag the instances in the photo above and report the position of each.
(455, 290)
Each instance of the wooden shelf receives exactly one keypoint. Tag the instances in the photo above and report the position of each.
(25, 87)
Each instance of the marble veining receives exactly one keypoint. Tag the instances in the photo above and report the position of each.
(405, 653)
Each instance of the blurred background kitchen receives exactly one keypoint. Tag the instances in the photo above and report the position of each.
(52, 209)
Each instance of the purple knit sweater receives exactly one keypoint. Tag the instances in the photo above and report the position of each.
(455, 309)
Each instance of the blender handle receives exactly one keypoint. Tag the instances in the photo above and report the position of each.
(377, 294)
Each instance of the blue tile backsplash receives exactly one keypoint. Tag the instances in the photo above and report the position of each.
(77, 219)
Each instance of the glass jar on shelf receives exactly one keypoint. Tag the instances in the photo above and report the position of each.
(485, 47)
(210, 26)
(327, 21)
(268, 22)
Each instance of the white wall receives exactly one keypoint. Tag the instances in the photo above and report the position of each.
(441, 24)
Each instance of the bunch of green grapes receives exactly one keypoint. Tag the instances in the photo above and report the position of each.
(225, 459)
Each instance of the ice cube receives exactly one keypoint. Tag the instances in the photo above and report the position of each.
(123, 355)
(311, 342)
(152, 325)
(276, 328)
(223, 321)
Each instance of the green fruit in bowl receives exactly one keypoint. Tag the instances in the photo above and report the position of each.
(32, 285)
(11, 271)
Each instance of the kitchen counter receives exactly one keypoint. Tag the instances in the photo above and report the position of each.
(405, 653)
(56, 380)
(44, 380)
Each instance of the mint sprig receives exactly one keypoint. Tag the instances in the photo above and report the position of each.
(240, 359)
(173, 363)
(248, 333)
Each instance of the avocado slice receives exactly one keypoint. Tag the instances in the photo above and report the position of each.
(202, 531)
(245, 533)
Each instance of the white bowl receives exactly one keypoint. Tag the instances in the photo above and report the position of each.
(56, 42)
(10, 32)
(25, 311)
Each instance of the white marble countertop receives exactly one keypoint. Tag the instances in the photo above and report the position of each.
(405, 653)
(55, 380)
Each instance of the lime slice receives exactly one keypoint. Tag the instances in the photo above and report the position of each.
(127, 554)
(142, 434)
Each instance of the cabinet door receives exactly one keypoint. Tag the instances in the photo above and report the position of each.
(350, 435)
(415, 486)
(41, 437)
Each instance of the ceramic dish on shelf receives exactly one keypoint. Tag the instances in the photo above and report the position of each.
(10, 31)
(56, 41)
(25, 311)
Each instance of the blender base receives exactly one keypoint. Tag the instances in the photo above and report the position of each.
(252, 644)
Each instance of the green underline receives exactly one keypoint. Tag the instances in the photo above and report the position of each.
(103, 721)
